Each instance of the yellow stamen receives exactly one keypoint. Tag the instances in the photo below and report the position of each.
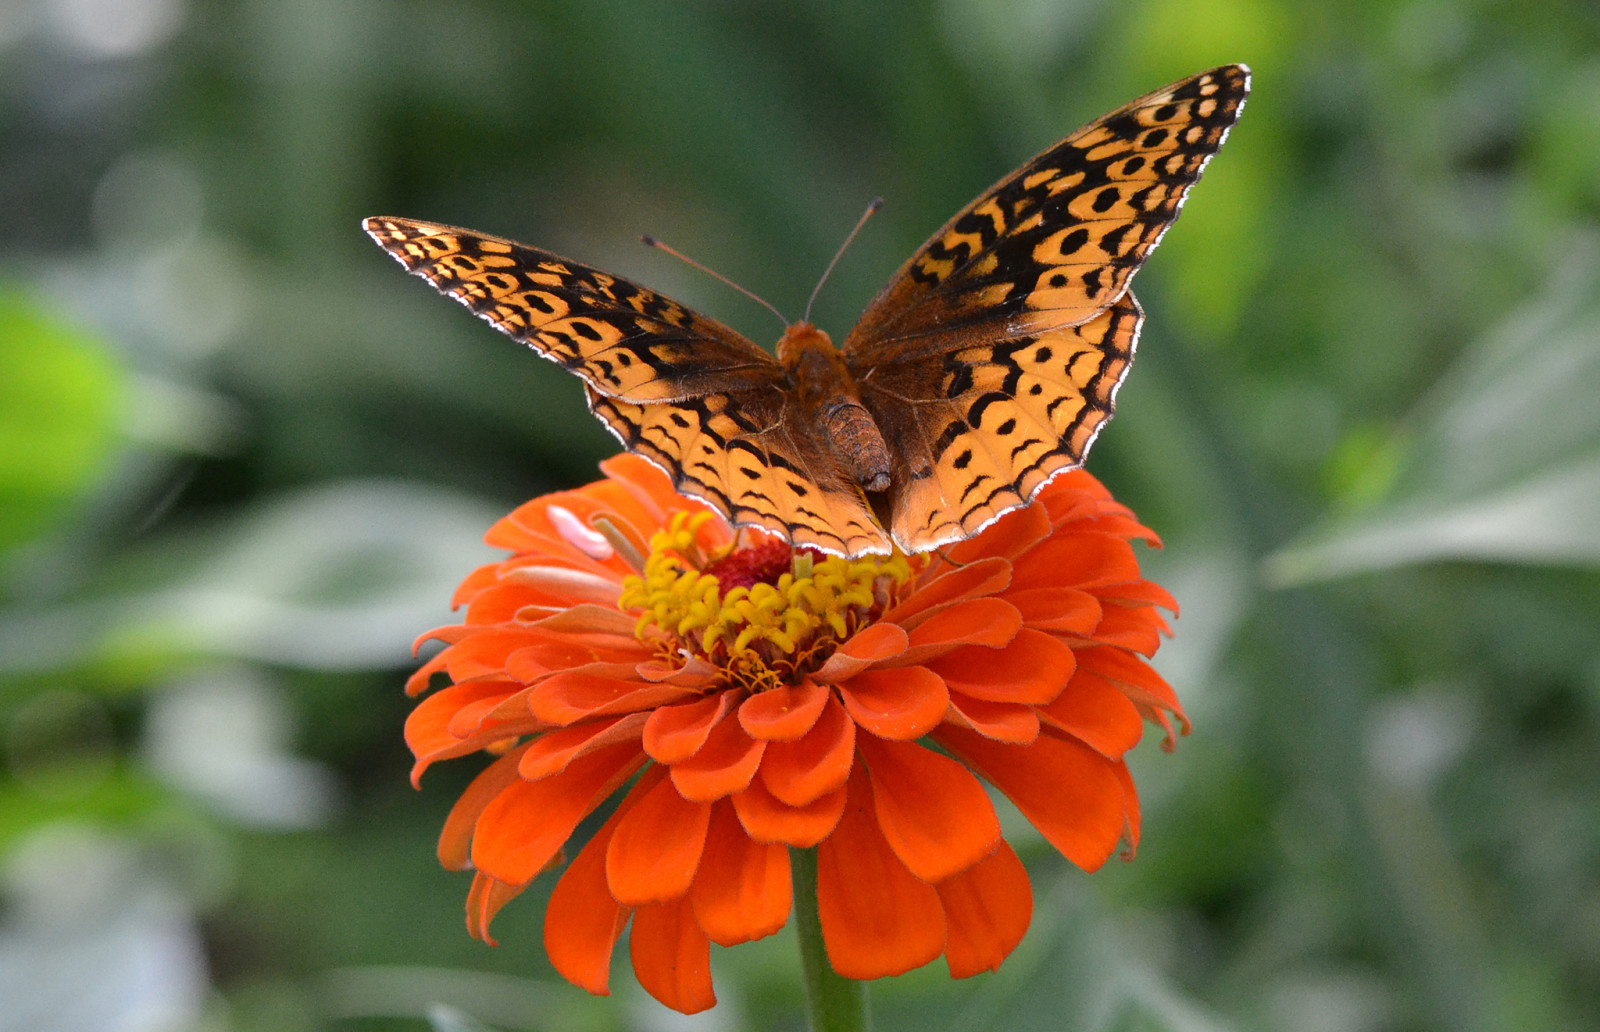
(758, 635)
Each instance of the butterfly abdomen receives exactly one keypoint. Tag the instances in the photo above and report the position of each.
(830, 396)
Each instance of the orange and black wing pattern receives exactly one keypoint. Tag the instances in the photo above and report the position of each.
(624, 340)
(1003, 340)
(694, 397)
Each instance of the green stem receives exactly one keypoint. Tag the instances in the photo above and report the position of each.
(837, 1004)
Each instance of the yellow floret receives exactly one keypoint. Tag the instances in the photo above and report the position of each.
(746, 628)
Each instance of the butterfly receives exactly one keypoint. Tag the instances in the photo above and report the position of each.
(988, 364)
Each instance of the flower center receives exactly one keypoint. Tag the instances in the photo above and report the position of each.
(763, 614)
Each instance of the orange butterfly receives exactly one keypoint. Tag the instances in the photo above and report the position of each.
(985, 367)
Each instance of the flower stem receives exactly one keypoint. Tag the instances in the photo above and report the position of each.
(837, 1004)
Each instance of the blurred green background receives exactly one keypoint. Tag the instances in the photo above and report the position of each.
(244, 460)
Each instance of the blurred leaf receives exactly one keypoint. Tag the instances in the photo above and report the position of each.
(59, 405)
(1504, 459)
(338, 577)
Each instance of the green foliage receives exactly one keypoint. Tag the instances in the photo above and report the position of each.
(59, 401)
(244, 461)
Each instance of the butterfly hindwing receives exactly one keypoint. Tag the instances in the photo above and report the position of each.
(978, 431)
(754, 455)
(1056, 241)
(624, 340)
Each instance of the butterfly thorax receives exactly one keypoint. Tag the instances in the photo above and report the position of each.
(828, 393)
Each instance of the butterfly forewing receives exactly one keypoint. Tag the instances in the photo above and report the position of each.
(754, 455)
(624, 340)
(1057, 241)
(981, 429)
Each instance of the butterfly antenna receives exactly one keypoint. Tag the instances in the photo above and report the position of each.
(877, 202)
(650, 241)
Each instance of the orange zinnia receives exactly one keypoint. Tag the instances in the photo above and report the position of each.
(760, 698)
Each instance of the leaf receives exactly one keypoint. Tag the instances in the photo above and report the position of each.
(60, 400)
(1503, 461)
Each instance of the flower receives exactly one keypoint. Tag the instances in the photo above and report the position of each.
(753, 698)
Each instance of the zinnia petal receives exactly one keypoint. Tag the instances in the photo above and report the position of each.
(1033, 668)
(672, 734)
(901, 704)
(931, 810)
(551, 752)
(766, 818)
(1002, 721)
(522, 828)
(1092, 710)
(582, 922)
(724, 765)
(1065, 789)
(877, 917)
(742, 890)
(569, 697)
(656, 848)
(802, 771)
(455, 839)
(987, 909)
(783, 714)
(484, 900)
(672, 957)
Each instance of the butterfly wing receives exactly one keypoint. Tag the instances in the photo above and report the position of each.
(624, 341)
(992, 359)
(754, 455)
(1057, 241)
(977, 431)
(706, 405)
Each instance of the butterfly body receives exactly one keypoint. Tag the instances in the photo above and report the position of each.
(988, 364)
(827, 391)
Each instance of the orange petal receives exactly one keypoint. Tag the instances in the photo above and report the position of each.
(656, 848)
(1033, 668)
(955, 584)
(418, 682)
(979, 621)
(1130, 807)
(455, 839)
(476, 581)
(1064, 610)
(987, 908)
(484, 652)
(724, 765)
(551, 752)
(568, 697)
(766, 819)
(901, 704)
(742, 891)
(498, 603)
(675, 733)
(1065, 789)
(805, 770)
(1092, 710)
(1135, 679)
(878, 642)
(1002, 721)
(1079, 559)
(428, 726)
(581, 921)
(484, 900)
(521, 829)
(1138, 629)
(672, 957)
(932, 811)
(783, 714)
(877, 918)
(1010, 536)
